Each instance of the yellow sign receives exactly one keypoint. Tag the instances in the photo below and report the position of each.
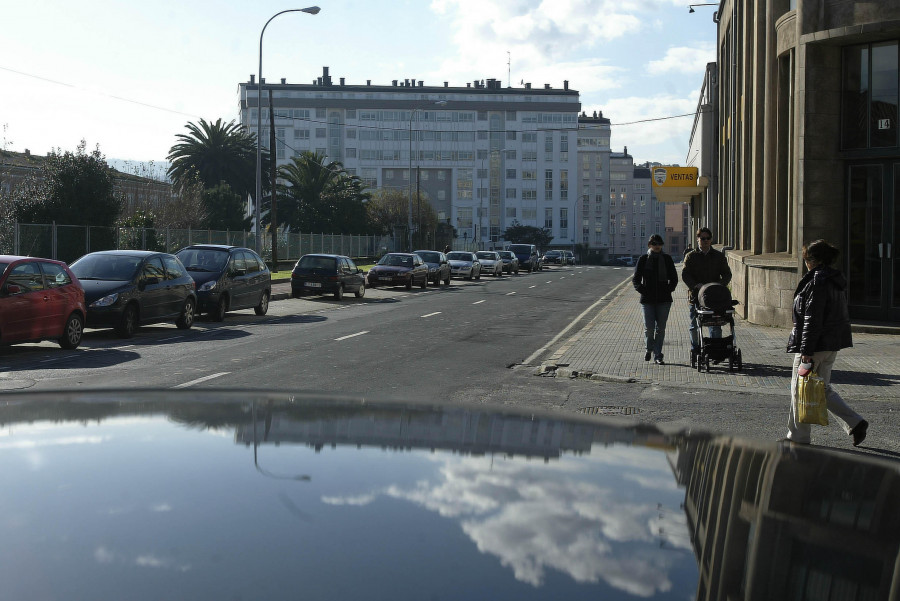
(675, 177)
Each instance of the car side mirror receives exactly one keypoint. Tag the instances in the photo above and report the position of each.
(12, 289)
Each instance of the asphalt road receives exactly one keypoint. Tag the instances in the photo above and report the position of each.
(437, 344)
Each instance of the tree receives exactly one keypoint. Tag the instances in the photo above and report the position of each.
(389, 209)
(320, 198)
(224, 208)
(187, 210)
(528, 234)
(216, 152)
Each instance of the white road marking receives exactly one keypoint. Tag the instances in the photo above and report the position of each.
(535, 286)
(352, 335)
(510, 293)
(478, 302)
(549, 282)
(203, 379)
(168, 339)
(431, 314)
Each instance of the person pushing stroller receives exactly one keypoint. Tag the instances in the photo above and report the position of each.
(703, 265)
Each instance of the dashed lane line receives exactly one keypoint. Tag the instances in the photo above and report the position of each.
(351, 335)
(203, 379)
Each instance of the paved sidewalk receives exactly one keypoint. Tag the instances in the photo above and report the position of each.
(611, 347)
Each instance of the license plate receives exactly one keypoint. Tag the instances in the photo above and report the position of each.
(312, 284)
(386, 279)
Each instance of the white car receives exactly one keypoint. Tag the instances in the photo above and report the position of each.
(464, 265)
(491, 262)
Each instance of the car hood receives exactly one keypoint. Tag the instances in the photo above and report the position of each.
(95, 289)
(201, 277)
(390, 269)
(459, 263)
(245, 495)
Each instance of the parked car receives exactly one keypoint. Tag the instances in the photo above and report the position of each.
(327, 274)
(491, 263)
(464, 264)
(228, 278)
(528, 256)
(570, 257)
(126, 289)
(554, 257)
(627, 261)
(438, 267)
(510, 261)
(399, 269)
(40, 299)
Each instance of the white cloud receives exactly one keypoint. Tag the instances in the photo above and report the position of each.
(684, 59)
(359, 500)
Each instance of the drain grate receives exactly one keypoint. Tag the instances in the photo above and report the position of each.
(608, 410)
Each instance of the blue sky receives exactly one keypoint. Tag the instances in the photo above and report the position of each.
(128, 76)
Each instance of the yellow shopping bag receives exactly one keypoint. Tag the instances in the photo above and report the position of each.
(812, 408)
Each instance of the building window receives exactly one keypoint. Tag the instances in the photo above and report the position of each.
(510, 212)
(351, 134)
(548, 184)
(482, 115)
(482, 134)
(870, 95)
(320, 113)
(442, 195)
(442, 175)
(511, 135)
(529, 174)
(351, 114)
(548, 144)
(350, 153)
(564, 184)
(510, 174)
(529, 137)
(464, 217)
(301, 134)
(510, 192)
(510, 115)
(548, 218)
(423, 175)
(320, 132)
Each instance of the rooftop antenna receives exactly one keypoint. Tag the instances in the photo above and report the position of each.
(508, 69)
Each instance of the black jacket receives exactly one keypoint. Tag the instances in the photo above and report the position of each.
(702, 269)
(646, 278)
(821, 316)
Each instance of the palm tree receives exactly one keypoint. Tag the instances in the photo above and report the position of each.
(320, 197)
(216, 152)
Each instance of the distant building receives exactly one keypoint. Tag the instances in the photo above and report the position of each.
(593, 203)
(487, 156)
(139, 193)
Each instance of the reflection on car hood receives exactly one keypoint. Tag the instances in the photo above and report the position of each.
(201, 277)
(459, 262)
(390, 269)
(95, 289)
(226, 495)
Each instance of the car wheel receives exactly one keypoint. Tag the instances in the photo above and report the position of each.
(263, 307)
(361, 292)
(478, 275)
(186, 319)
(73, 331)
(469, 277)
(424, 282)
(221, 309)
(409, 283)
(339, 293)
(517, 271)
(128, 322)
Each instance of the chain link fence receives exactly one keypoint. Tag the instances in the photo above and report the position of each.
(68, 242)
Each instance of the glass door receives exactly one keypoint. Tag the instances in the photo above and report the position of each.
(873, 271)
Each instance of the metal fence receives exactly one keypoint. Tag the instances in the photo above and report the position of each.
(68, 242)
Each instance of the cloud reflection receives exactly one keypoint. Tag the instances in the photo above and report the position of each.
(536, 518)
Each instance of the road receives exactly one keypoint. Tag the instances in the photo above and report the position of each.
(440, 344)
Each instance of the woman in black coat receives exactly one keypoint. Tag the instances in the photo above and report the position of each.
(655, 279)
(821, 329)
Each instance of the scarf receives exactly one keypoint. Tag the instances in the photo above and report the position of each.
(657, 258)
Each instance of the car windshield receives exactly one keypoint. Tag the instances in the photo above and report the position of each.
(485, 255)
(430, 257)
(552, 253)
(102, 266)
(520, 248)
(459, 256)
(392, 260)
(313, 262)
(203, 259)
(505, 254)
(3, 267)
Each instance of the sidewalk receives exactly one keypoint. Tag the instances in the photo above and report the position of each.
(611, 347)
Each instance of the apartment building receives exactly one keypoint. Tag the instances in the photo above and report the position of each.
(486, 156)
(593, 206)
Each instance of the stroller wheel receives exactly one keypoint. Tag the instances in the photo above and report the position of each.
(740, 361)
(707, 364)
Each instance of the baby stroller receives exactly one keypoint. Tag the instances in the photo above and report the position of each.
(715, 308)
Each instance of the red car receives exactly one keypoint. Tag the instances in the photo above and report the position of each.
(40, 299)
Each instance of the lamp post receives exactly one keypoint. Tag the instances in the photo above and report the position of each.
(311, 10)
(691, 6)
(409, 219)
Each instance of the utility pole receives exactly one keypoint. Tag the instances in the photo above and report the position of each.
(273, 154)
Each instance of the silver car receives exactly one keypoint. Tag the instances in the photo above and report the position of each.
(464, 265)
(491, 262)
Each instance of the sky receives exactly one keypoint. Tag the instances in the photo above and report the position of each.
(128, 76)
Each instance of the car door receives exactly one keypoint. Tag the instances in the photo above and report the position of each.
(22, 303)
(242, 285)
(177, 284)
(57, 290)
(154, 292)
(262, 278)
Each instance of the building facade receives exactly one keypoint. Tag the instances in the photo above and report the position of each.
(486, 156)
(807, 147)
(593, 204)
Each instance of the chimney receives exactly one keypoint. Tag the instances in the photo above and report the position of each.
(252, 78)
(368, 82)
(283, 80)
(326, 79)
(528, 86)
(565, 84)
(446, 84)
(406, 82)
(547, 86)
(319, 81)
(421, 84)
(595, 114)
(601, 114)
(394, 82)
(342, 81)
(27, 152)
(262, 81)
(626, 150)
(414, 83)
(468, 84)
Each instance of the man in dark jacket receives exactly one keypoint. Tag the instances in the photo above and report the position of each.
(703, 265)
(655, 278)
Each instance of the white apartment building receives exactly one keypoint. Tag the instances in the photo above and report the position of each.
(485, 155)
(593, 206)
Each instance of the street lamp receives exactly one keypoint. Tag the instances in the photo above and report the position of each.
(691, 6)
(409, 222)
(311, 10)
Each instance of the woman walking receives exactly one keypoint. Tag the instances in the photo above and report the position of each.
(655, 278)
(821, 329)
